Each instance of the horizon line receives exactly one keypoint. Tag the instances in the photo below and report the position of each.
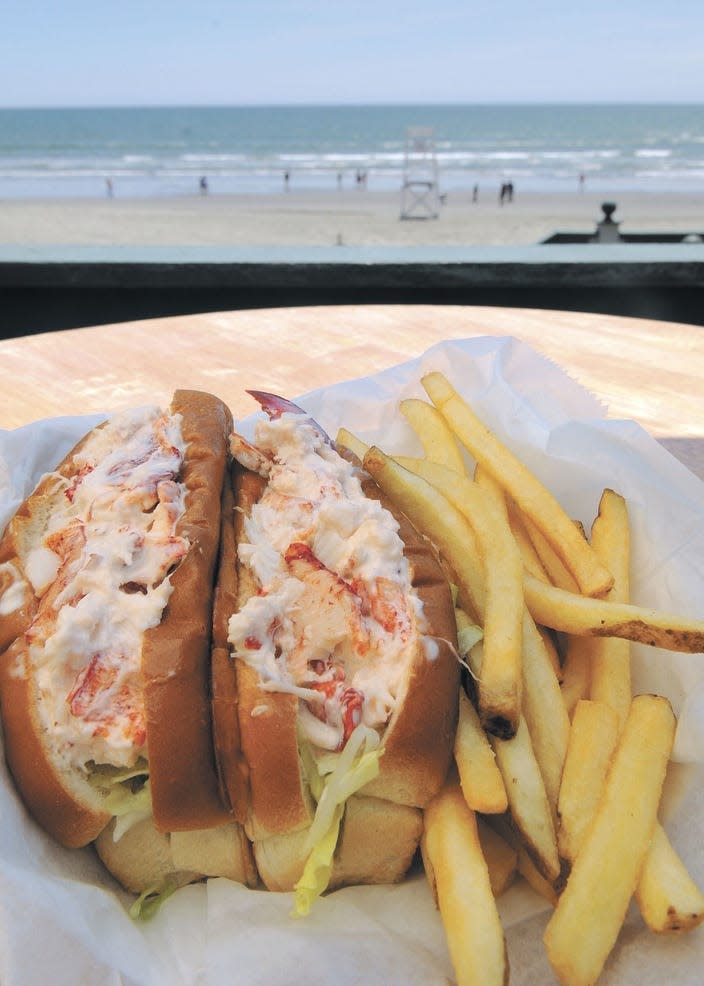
(376, 104)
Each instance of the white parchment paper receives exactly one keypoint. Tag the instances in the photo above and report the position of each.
(63, 921)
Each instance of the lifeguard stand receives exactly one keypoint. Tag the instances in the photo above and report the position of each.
(420, 195)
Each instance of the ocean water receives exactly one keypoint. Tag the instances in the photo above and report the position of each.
(243, 150)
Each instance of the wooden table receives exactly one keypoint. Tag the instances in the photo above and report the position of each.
(641, 369)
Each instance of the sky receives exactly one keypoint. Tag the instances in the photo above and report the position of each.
(263, 52)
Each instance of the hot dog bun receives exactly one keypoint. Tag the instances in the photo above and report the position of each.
(147, 860)
(278, 797)
(377, 844)
(416, 736)
(129, 523)
(133, 720)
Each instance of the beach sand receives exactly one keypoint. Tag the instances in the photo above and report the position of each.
(325, 218)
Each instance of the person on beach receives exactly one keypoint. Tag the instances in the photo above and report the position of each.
(108, 187)
(287, 178)
(203, 185)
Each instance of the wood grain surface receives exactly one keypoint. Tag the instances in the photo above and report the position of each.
(641, 369)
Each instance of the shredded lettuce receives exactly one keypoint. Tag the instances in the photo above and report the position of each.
(127, 794)
(337, 777)
(316, 873)
(467, 637)
(150, 900)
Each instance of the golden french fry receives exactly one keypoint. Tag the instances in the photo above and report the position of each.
(529, 805)
(480, 778)
(557, 571)
(521, 484)
(576, 671)
(351, 442)
(501, 611)
(528, 801)
(668, 898)
(501, 858)
(436, 437)
(590, 912)
(526, 867)
(534, 878)
(531, 561)
(433, 515)
(611, 656)
(544, 709)
(583, 615)
(487, 482)
(593, 738)
(543, 706)
(470, 917)
(553, 653)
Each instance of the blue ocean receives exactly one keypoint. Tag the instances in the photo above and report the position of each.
(148, 152)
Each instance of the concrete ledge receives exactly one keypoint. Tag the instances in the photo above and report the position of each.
(50, 287)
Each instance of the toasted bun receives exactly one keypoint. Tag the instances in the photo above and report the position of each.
(418, 739)
(146, 859)
(175, 656)
(279, 797)
(377, 844)
(61, 801)
(232, 767)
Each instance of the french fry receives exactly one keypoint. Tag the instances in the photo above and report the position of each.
(460, 875)
(480, 778)
(583, 615)
(352, 443)
(501, 857)
(542, 703)
(544, 709)
(522, 485)
(668, 898)
(436, 437)
(500, 608)
(433, 515)
(590, 912)
(531, 561)
(534, 878)
(529, 805)
(553, 653)
(571, 806)
(528, 801)
(526, 867)
(611, 656)
(557, 571)
(487, 482)
(576, 671)
(593, 738)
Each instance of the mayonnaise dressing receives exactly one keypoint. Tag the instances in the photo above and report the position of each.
(341, 619)
(109, 549)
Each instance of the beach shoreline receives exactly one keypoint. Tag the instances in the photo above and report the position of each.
(347, 217)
